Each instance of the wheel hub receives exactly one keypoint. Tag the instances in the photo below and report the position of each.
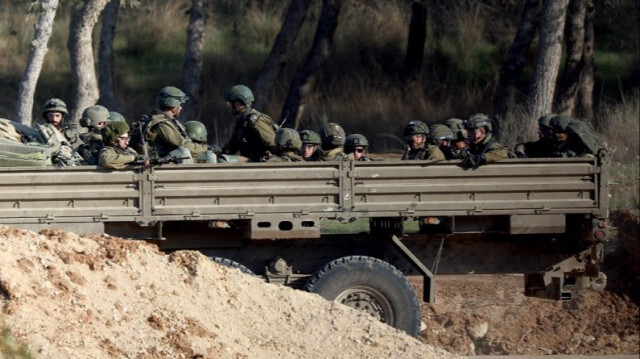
(367, 300)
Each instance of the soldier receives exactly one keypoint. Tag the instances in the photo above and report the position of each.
(482, 147)
(254, 132)
(559, 124)
(332, 137)
(288, 147)
(94, 118)
(457, 126)
(197, 132)
(416, 134)
(58, 134)
(580, 141)
(310, 149)
(166, 134)
(116, 153)
(355, 146)
(544, 146)
(442, 136)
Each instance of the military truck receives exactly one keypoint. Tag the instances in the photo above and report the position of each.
(350, 231)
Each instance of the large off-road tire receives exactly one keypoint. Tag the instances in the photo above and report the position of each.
(232, 264)
(370, 285)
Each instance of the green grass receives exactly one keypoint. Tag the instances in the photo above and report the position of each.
(10, 348)
(624, 187)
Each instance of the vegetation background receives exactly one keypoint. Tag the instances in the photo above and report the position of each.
(361, 86)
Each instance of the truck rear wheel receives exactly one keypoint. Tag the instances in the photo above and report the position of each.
(370, 285)
(232, 264)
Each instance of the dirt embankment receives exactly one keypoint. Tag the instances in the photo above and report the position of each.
(71, 296)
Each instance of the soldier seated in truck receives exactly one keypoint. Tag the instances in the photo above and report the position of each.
(416, 133)
(332, 137)
(355, 146)
(116, 153)
(94, 119)
(543, 147)
(310, 149)
(483, 148)
(288, 144)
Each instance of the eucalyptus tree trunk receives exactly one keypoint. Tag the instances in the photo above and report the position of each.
(547, 62)
(585, 93)
(504, 98)
(192, 69)
(84, 17)
(303, 82)
(42, 32)
(416, 41)
(277, 59)
(105, 57)
(574, 63)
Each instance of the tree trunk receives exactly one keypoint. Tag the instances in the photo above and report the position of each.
(303, 82)
(192, 69)
(415, 43)
(42, 32)
(83, 73)
(547, 63)
(105, 57)
(504, 99)
(280, 51)
(585, 93)
(574, 34)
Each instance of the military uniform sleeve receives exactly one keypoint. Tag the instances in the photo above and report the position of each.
(109, 158)
(196, 148)
(435, 153)
(265, 133)
(495, 153)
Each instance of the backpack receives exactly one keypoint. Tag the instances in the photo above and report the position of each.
(137, 135)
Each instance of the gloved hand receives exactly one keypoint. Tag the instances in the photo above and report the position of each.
(473, 161)
(520, 154)
(215, 149)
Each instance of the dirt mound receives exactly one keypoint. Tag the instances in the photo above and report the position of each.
(71, 296)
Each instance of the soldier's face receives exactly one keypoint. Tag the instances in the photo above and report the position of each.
(308, 150)
(478, 135)
(122, 141)
(416, 140)
(358, 153)
(54, 118)
(561, 136)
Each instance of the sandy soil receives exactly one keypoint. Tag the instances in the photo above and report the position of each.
(70, 296)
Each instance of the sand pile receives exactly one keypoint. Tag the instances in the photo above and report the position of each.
(70, 296)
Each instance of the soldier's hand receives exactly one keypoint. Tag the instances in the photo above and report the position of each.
(473, 161)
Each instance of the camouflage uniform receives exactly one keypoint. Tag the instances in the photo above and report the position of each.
(580, 140)
(166, 134)
(353, 141)
(333, 136)
(288, 156)
(197, 132)
(92, 117)
(288, 144)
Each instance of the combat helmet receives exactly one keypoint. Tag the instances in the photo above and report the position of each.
(353, 141)
(240, 93)
(544, 121)
(93, 115)
(457, 126)
(332, 135)
(170, 96)
(415, 127)
(116, 116)
(582, 131)
(54, 105)
(479, 120)
(559, 123)
(309, 137)
(112, 130)
(288, 138)
(440, 132)
(196, 131)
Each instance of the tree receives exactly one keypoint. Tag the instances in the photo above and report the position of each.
(42, 32)
(416, 41)
(192, 69)
(105, 57)
(574, 64)
(303, 82)
(84, 17)
(280, 51)
(504, 99)
(585, 92)
(547, 62)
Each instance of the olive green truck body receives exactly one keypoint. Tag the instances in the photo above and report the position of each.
(299, 223)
